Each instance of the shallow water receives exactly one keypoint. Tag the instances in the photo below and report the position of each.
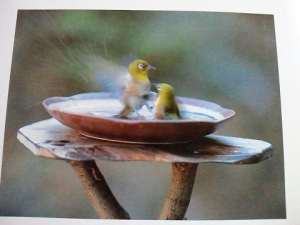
(149, 115)
(111, 108)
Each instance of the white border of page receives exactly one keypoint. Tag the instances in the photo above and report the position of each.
(287, 26)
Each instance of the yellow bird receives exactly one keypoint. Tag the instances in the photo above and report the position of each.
(166, 106)
(137, 92)
(130, 84)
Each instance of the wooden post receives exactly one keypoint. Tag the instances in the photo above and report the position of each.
(98, 191)
(181, 187)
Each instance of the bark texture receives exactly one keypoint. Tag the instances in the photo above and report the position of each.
(181, 187)
(98, 191)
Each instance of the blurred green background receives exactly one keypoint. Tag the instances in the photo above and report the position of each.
(226, 58)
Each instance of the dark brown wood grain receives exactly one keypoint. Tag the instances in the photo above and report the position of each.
(51, 139)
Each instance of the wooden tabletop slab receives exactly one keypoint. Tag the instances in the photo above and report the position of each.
(51, 139)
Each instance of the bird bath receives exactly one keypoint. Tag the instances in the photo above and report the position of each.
(95, 115)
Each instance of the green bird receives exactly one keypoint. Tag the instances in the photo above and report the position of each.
(166, 106)
(137, 92)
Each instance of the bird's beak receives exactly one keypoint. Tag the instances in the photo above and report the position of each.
(155, 86)
(150, 67)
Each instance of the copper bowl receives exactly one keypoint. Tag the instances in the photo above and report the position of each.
(78, 112)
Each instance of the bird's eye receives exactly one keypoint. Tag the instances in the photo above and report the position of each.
(140, 66)
(159, 88)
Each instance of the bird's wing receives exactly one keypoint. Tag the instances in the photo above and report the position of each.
(108, 75)
(180, 105)
(172, 112)
(172, 116)
(177, 110)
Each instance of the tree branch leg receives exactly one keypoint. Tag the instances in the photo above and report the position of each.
(98, 191)
(181, 187)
